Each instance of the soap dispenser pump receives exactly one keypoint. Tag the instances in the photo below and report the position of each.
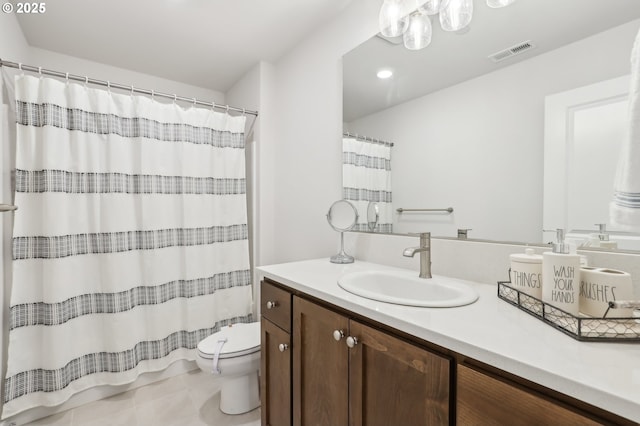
(561, 276)
(603, 237)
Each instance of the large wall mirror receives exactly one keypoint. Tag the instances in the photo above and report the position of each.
(468, 130)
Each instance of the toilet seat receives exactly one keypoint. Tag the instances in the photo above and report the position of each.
(241, 339)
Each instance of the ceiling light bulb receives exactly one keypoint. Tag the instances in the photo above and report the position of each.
(391, 21)
(418, 35)
(499, 3)
(456, 15)
(384, 74)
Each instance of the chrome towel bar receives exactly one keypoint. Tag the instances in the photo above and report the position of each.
(448, 210)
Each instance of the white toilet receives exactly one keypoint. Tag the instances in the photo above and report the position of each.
(233, 354)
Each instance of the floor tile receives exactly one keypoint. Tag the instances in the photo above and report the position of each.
(159, 389)
(103, 408)
(62, 419)
(125, 417)
(191, 399)
(166, 410)
(208, 410)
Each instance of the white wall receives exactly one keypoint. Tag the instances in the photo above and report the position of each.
(78, 66)
(307, 145)
(248, 92)
(478, 146)
(13, 45)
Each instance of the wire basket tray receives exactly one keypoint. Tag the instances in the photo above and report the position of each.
(586, 329)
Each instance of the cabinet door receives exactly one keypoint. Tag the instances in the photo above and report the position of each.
(484, 400)
(320, 366)
(393, 382)
(275, 380)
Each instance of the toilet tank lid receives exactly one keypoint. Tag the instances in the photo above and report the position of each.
(240, 338)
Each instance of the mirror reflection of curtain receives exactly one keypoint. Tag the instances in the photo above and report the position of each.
(366, 177)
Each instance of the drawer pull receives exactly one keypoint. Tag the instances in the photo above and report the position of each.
(271, 305)
(352, 341)
(338, 335)
(283, 347)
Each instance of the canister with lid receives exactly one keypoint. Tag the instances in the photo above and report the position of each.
(526, 272)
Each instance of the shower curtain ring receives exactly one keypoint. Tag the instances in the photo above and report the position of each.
(153, 93)
(133, 89)
(194, 102)
(244, 112)
(227, 109)
(86, 81)
(40, 70)
(175, 98)
(213, 105)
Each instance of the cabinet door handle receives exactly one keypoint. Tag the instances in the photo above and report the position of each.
(283, 347)
(338, 334)
(271, 305)
(352, 341)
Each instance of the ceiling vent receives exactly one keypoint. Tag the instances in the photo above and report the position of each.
(512, 51)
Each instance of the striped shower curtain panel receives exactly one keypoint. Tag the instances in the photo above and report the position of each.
(366, 177)
(131, 241)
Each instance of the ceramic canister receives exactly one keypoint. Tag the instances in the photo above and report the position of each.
(599, 286)
(526, 272)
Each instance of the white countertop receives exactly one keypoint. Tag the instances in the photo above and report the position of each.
(606, 375)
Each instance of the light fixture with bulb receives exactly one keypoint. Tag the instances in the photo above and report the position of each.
(415, 27)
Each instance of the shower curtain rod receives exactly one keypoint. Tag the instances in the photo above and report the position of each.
(367, 138)
(132, 89)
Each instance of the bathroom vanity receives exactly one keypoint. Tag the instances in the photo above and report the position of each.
(333, 358)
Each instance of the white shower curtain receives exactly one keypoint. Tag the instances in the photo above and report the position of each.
(130, 243)
(366, 177)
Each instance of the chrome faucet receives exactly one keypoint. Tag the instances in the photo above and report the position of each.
(425, 254)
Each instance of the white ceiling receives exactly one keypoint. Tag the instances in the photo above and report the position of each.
(453, 58)
(206, 43)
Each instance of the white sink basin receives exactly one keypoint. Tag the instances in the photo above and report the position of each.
(406, 288)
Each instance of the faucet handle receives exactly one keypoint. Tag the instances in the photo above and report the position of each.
(463, 233)
(420, 234)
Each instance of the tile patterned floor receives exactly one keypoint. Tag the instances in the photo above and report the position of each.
(191, 399)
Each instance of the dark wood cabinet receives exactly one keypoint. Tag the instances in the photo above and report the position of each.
(486, 400)
(345, 372)
(275, 375)
(393, 382)
(320, 366)
(325, 366)
(275, 363)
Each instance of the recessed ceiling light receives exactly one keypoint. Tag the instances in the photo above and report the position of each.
(383, 74)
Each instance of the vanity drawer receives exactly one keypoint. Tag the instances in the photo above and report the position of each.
(275, 305)
(483, 399)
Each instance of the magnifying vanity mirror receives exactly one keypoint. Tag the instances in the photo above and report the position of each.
(468, 117)
(342, 217)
